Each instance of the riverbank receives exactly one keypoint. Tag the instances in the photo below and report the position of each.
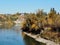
(39, 39)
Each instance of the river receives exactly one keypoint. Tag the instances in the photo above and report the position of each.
(13, 36)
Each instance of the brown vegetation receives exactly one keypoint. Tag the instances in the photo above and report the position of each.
(49, 23)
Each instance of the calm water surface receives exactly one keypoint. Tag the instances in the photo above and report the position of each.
(13, 36)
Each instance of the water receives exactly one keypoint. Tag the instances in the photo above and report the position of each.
(13, 36)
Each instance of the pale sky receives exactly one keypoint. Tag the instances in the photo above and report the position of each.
(13, 6)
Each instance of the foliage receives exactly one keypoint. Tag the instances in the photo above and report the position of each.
(44, 21)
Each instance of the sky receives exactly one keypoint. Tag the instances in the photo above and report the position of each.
(13, 6)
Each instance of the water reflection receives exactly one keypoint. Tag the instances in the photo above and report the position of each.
(12, 35)
(30, 41)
